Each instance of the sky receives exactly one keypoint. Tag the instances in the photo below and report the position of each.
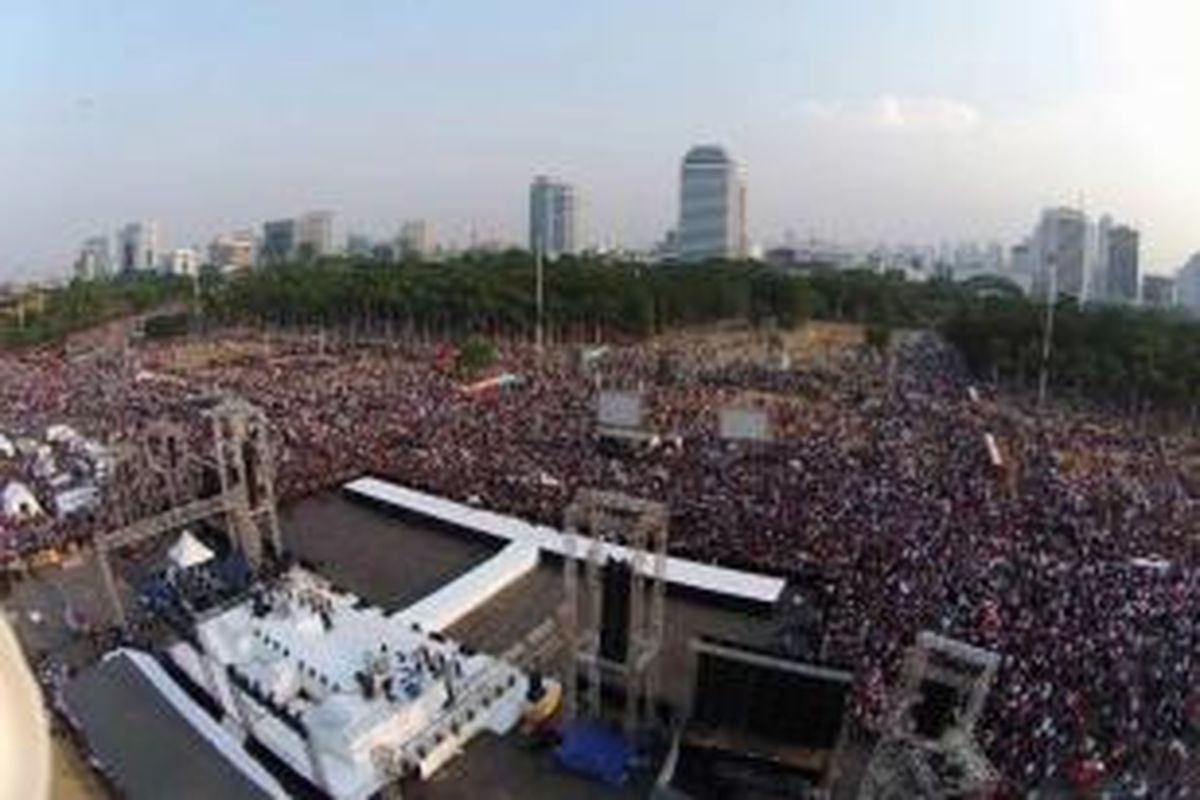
(863, 120)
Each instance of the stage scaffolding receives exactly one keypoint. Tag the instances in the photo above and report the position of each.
(159, 483)
(593, 521)
(909, 764)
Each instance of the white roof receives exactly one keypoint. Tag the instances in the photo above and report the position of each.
(7, 448)
(59, 434)
(739, 584)
(188, 551)
(19, 502)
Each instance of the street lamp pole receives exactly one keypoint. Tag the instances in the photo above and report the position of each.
(541, 296)
(1048, 333)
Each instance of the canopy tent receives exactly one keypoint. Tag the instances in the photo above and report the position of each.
(61, 434)
(188, 551)
(19, 503)
(7, 448)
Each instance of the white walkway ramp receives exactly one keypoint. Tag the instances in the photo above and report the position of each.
(730, 583)
(441, 609)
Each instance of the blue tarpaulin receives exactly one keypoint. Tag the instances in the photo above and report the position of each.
(595, 751)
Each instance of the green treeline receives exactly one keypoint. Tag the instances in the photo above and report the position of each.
(1131, 359)
(49, 316)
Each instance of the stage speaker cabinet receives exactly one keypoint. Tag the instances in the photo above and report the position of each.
(614, 615)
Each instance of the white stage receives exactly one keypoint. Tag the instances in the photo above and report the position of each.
(721, 581)
(344, 695)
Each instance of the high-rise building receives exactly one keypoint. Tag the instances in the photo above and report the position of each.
(314, 234)
(413, 241)
(234, 251)
(1098, 286)
(95, 260)
(359, 245)
(712, 206)
(304, 238)
(553, 217)
(137, 249)
(1121, 268)
(279, 241)
(182, 261)
(1187, 286)
(1061, 254)
(1158, 291)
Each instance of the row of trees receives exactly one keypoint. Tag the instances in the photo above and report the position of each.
(85, 304)
(1125, 357)
(1135, 360)
(1130, 358)
(495, 296)
(584, 299)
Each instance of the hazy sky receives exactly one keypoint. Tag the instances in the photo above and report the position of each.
(917, 120)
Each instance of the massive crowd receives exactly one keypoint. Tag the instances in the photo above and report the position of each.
(1075, 560)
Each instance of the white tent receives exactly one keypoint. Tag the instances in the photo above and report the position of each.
(61, 434)
(44, 464)
(189, 551)
(7, 448)
(19, 503)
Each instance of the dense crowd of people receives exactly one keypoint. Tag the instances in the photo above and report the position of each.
(1075, 558)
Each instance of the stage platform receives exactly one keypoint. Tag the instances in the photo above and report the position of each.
(720, 582)
(457, 599)
(155, 741)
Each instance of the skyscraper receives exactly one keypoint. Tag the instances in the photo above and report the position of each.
(314, 234)
(712, 206)
(1098, 286)
(137, 249)
(1119, 254)
(278, 241)
(359, 245)
(232, 251)
(413, 241)
(1061, 254)
(182, 261)
(553, 216)
(95, 260)
(1158, 291)
(1187, 286)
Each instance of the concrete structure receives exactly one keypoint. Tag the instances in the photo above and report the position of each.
(413, 241)
(553, 217)
(180, 261)
(749, 588)
(95, 259)
(416, 567)
(233, 251)
(314, 234)
(712, 206)
(1099, 259)
(1061, 254)
(347, 697)
(359, 245)
(148, 733)
(1158, 291)
(1187, 286)
(279, 241)
(137, 247)
(1121, 267)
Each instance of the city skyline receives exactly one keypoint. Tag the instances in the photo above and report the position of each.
(852, 124)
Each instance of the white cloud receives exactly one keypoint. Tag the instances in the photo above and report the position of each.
(939, 115)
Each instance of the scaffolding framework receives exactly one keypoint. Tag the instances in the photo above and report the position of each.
(593, 520)
(906, 764)
(158, 485)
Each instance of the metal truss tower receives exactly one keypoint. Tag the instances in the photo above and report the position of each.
(159, 483)
(909, 765)
(599, 524)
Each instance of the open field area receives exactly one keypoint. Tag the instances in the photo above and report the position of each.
(876, 487)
